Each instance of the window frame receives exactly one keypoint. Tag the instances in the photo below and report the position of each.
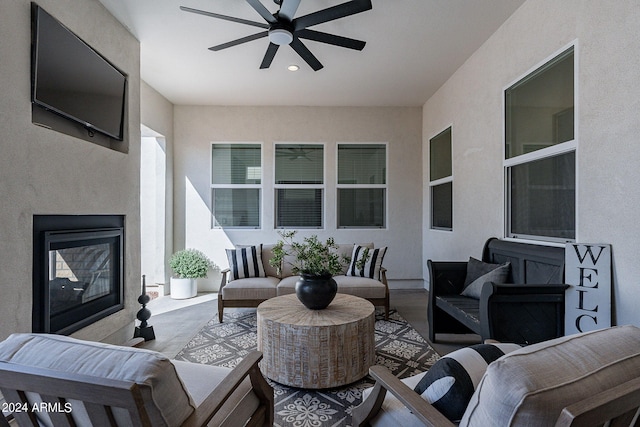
(440, 181)
(321, 187)
(384, 186)
(259, 187)
(541, 154)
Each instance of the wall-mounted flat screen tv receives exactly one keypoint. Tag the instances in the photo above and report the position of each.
(71, 79)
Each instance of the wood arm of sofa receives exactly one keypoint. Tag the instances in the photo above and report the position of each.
(446, 277)
(223, 280)
(617, 405)
(386, 381)
(213, 403)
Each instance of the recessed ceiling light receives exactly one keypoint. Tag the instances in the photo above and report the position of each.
(293, 67)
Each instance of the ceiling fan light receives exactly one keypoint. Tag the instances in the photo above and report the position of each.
(280, 36)
(293, 67)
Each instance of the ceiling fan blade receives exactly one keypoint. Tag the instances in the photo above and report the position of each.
(288, 9)
(239, 41)
(332, 13)
(225, 17)
(306, 54)
(262, 10)
(319, 36)
(268, 56)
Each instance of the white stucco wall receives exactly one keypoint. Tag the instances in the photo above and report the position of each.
(156, 113)
(607, 129)
(196, 127)
(46, 172)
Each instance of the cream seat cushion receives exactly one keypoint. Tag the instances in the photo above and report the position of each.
(530, 386)
(171, 404)
(393, 412)
(362, 287)
(251, 288)
(200, 380)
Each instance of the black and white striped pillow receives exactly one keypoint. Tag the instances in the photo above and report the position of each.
(451, 381)
(371, 268)
(245, 262)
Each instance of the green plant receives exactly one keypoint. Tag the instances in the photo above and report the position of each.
(311, 256)
(190, 264)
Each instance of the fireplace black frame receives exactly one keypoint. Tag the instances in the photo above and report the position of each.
(88, 228)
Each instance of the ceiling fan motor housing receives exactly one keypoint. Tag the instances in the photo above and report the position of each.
(281, 33)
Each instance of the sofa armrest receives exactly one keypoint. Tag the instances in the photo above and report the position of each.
(386, 381)
(522, 313)
(446, 277)
(223, 280)
(383, 276)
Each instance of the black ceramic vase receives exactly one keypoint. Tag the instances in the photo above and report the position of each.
(316, 292)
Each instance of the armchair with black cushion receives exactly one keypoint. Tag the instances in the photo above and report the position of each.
(526, 308)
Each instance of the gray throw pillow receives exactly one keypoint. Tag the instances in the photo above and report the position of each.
(478, 273)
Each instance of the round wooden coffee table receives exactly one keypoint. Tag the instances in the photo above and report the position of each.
(316, 348)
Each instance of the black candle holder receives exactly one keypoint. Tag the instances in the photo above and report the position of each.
(144, 330)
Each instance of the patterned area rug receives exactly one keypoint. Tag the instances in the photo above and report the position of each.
(398, 347)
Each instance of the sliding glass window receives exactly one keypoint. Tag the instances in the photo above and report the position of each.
(540, 153)
(299, 185)
(236, 180)
(362, 185)
(441, 181)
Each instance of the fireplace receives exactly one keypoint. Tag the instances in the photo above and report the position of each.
(78, 270)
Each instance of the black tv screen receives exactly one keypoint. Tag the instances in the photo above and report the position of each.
(71, 79)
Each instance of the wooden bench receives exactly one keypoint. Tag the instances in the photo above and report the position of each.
(529, 308)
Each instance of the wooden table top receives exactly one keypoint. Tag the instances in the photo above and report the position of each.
(287, 309)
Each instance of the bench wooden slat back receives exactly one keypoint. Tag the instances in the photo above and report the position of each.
(534, 264)
(98, 395)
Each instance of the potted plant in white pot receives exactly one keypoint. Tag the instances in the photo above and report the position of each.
(316, 262)
(188, 265)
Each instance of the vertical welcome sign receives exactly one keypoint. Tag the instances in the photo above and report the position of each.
(588, 300)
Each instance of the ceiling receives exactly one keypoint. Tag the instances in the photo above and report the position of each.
(413, 47)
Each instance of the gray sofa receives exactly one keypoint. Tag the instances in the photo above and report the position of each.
(250, 292)
(578, 380)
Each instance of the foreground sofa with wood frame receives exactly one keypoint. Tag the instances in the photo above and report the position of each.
(62, 381)
(250, 292)
(528, 308)
(583, 380)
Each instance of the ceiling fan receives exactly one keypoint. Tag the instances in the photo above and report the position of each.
(282, 28)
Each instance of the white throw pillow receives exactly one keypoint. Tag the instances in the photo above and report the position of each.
(372, 265)
(245, 262)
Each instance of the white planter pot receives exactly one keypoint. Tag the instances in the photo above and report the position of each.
(183, 288)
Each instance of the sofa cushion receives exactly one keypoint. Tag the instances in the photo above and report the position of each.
(287, 285)
(362, 287)
(393, 412)
(171, 402)
(245, 262)
(495, 274)
(372, 265)
(267, 254)
(530, 386)
(252, 288)
(244, 400)
(451, 381)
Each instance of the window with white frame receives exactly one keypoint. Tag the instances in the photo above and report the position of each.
(540, 153)
(236, 180)
(362, 185)
(299, 185)
(441, 181)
